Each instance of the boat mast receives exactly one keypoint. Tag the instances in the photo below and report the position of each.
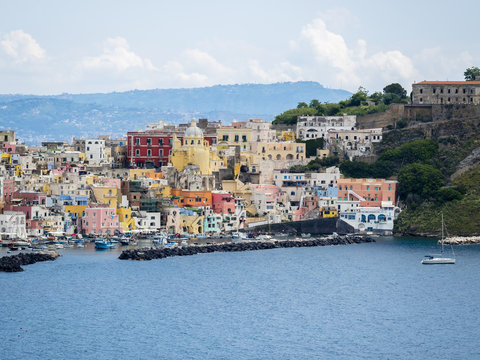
(442, 233)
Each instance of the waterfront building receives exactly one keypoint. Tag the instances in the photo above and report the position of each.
(13, 225)
(147, 221)
(368, 204)
(100, 221)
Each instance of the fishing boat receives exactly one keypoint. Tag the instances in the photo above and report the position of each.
(440, 258)
(104, 244)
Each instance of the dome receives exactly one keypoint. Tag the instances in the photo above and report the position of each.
(193, 130)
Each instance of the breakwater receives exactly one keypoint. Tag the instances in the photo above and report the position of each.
(164, 252)
(13, 263)
(461, 240)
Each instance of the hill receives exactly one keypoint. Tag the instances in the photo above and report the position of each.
(60, 117)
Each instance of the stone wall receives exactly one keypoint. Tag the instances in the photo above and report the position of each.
(314, 227)
(394, 113)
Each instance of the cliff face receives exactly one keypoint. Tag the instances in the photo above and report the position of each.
(458, 138)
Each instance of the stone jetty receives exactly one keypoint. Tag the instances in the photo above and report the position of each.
(13, 263)
(461, 240)
(164, 252)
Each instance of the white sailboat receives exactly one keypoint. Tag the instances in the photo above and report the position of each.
(440, 258)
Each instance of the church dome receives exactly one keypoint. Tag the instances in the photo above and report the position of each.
(193, 130)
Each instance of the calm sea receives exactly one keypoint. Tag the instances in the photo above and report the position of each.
(369, 301)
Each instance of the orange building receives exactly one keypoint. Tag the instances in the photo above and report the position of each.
(186, 198)
(370, 192)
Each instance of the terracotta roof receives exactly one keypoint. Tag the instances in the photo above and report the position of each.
(473, 82)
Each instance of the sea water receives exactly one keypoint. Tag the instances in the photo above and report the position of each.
(366, 301)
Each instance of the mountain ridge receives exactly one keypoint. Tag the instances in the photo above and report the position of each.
(115, 113)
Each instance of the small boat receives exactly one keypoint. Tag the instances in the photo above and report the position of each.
(439, 258)
(104, 244)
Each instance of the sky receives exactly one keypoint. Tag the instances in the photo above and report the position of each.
(53, 47)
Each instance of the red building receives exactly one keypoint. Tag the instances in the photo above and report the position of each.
(223, 202)
(147, 149)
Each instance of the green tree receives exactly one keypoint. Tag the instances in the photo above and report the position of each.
(396, 89)
(302, 105)
(419, 180)
(471, 73)
(359, 97)
(289, 117)
(413, 151)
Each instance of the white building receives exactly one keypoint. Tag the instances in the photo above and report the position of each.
(13, 225)
(147, 221)
(355, 142)
(372, 219)
(323, 179)
(95, 151)
(261, 131)
(313, 127)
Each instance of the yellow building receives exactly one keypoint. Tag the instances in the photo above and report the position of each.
(281, 151)
(234, 136)
(77, 210)
(107, 195)
(287, 136)
(135, 174)
(192, 224)
(194, 151)
(125, 217)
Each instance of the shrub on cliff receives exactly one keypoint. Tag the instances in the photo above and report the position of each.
(419, 179)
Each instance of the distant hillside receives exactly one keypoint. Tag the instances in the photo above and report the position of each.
(60, 117)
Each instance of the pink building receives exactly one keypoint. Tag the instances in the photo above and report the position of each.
(101, 221)
(223, 202)
(8, 148)
(8, 189)
(370, 192)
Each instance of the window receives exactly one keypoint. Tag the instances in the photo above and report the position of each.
(368, 187)
(137, 152)
(137, 141)
(160, 141)
(149, 142)
(225, 138)
(244, 138)
(149, 152)
(421, 91)
(441, 91)
(449, 91)
(236, 138)
(464, 91)
(160, 152)
(456, 91)
(421, 99)
(434, 91)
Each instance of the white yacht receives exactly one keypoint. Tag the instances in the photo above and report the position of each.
(439, 258)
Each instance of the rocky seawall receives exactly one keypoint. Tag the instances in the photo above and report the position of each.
(461, 240)
(164, 252)
(13, 263)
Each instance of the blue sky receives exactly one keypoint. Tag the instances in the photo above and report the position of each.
(51, 47)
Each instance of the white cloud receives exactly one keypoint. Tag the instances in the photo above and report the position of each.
(21, 47)
(117, 56)
(350, 66)
(283, 71)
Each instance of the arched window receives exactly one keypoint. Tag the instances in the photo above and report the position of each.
(371, 218)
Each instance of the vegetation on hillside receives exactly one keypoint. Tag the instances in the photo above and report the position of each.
(358, 104)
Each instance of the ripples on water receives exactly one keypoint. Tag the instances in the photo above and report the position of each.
(369, 301)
